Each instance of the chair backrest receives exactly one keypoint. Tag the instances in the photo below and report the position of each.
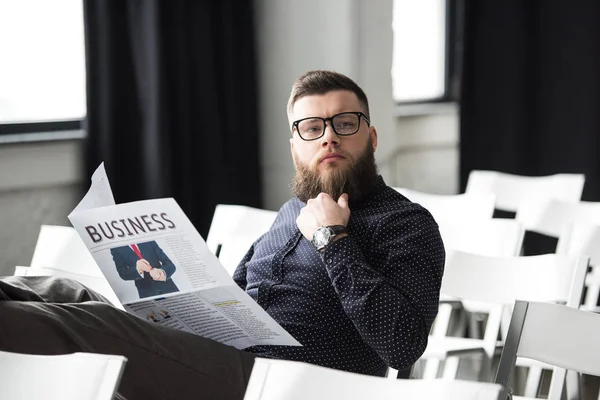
(291, 380)
(234, 221)
(233, 230)
(511, 190)
(458, 207)
(584, 238)
(552, 217)
(498, 281)
(60, 247)
(497, 237)
(73, 376)
(558, 335)
(581, 238)
(502, 280)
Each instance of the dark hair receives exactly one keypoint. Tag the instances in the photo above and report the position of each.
(321, 82)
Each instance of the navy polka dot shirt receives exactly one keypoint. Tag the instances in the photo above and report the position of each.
(367, 302)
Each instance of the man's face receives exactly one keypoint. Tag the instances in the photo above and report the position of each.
(331, 158)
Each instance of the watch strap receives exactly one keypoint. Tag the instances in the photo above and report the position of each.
(338, 229)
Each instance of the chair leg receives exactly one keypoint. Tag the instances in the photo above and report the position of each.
(431, 369)
(574, 385)
(532, 385)
(450, 367)
(474, 329)
(591, 296)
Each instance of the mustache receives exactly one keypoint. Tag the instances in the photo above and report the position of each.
(326, 153)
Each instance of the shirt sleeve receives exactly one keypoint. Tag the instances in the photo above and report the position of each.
(389, 287)
(239, 275)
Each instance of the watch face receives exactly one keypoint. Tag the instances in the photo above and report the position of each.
(321, 237)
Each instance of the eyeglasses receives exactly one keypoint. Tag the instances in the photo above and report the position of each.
(343, 124)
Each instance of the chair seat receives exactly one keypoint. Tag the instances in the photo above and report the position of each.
(529, 362)
(442, 347)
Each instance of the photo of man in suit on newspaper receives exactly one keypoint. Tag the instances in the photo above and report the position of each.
(148, 266)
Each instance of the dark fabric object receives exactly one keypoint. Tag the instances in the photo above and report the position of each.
(531, 92)
(367, 302)
(172, 101)
(48, 315)
(533, 243)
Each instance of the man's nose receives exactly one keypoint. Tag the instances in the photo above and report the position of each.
(329, 136)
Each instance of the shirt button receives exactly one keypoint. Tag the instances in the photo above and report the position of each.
(329, 261)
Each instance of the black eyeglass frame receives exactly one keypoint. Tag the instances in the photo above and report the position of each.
(330, 119)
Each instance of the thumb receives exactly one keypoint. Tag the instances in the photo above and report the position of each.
(343, 200)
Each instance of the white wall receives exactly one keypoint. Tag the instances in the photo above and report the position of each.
(426, 155)
(39, 184)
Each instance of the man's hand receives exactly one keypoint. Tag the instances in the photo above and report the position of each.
(323, 211)
(143, 266)
(158, 274)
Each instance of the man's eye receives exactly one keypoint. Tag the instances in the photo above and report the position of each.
(312, 129)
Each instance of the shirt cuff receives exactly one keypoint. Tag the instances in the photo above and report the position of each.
(334, 253)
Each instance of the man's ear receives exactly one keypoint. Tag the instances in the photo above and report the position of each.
(373, 134)
(292, 146)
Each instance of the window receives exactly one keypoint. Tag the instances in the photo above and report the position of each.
(424, 59)
(42, 73)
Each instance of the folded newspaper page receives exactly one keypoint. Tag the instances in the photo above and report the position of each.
(161, 269)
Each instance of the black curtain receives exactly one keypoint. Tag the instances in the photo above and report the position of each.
(172, 101)
(530, 98)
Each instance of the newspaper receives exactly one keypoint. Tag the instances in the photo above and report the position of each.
(161, 269)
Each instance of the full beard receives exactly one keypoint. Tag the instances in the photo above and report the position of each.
(357, 179)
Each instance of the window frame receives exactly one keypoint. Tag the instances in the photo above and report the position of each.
(41, 131)
(452, 57)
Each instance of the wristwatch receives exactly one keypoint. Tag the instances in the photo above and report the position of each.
(325, 234)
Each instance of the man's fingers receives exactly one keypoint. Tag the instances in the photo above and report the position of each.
(343, 200)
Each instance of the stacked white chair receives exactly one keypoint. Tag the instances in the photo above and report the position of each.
(499, 281)
(73, 376)
(577, 227)
(512, 190)
(562, 336)
(492, 237)
(453, 207)
(292, 380)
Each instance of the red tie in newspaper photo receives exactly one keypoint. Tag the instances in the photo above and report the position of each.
(137, 251)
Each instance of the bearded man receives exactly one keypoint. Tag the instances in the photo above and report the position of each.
(350, 268)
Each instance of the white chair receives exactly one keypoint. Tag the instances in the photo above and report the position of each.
(584, 238)
(59, 251)
(291, 380)
(577, 227)
(233, 229)
(553, 217)
(497, 237)
(499, 281)
(73, 376)
(458, 207)
(60, 247)
(554, 334)
(511, 190)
